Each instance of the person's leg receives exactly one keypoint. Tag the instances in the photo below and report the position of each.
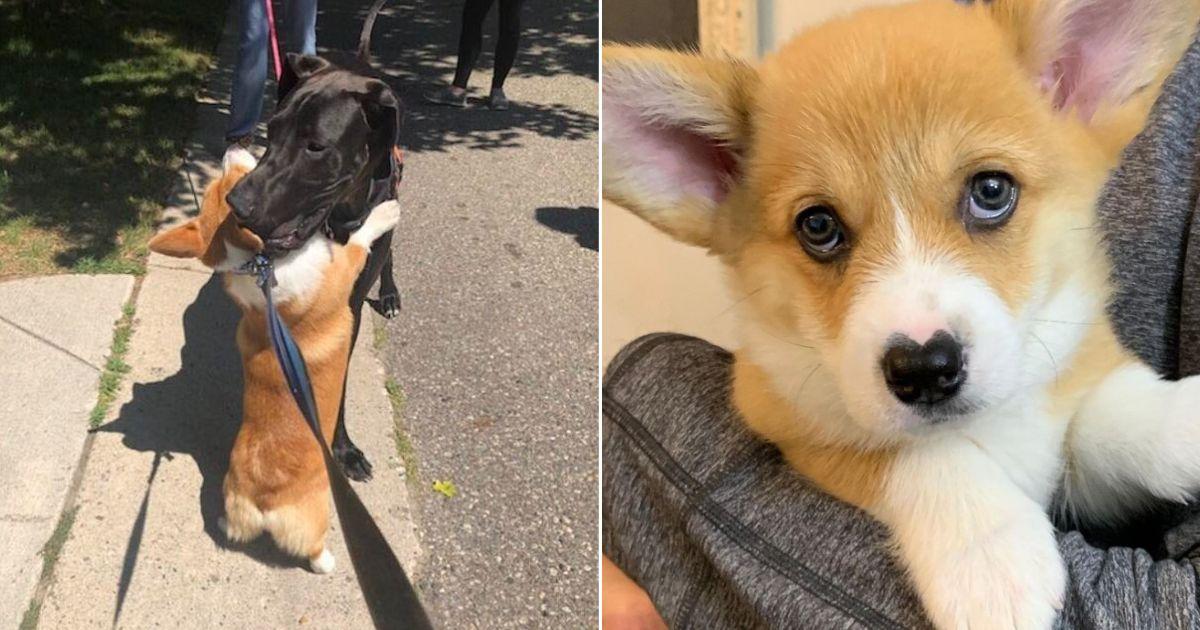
(510, 38)
(506, 50)
(250, 72)
(302, 26)
(470, 41)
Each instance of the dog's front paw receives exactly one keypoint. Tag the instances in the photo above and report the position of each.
(353, 462)
(382, 219)
(387, 305)
(1010, 578)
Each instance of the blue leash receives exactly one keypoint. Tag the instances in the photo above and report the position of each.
(390, 597)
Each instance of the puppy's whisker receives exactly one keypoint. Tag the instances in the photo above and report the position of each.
(807, 378)
(1059, 321)
(739, 301)
(1053, 363)
(790, 343)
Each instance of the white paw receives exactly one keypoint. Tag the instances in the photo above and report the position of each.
(323, 563)
(1010, 578)
(237, 155)
(383, 218)
(223, 523)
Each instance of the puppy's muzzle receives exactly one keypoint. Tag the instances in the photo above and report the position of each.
(924, 374)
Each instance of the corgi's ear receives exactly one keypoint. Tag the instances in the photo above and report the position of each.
(1091, 54)
(185, 241)
(675, 126)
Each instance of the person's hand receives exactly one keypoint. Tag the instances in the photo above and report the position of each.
(626, 606)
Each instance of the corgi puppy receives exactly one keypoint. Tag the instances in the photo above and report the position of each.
(904, 200)
(277, 481)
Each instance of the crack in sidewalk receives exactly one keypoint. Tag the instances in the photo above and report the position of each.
(49, 343)
(23, 518)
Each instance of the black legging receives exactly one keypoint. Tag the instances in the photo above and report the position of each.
(470, 40)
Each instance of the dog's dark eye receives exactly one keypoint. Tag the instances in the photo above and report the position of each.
(990, 199)
(315, 148)
(820, 233)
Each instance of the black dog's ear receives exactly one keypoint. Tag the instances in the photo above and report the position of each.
(298, 68)
(383, 110)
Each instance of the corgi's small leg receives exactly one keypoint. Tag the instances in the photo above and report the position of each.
(300, 528)
(243, 521)
(1136, 438)
(322, 563)
(981, 553)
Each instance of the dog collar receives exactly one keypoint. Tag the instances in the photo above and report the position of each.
(260, 267)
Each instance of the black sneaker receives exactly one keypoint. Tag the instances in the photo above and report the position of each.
(447, 96)
(497, 100)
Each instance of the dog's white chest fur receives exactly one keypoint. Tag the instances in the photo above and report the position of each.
(298, 274)
(1026, 441)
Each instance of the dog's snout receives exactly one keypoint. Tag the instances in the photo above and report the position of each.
(241, 203)
(924, 373)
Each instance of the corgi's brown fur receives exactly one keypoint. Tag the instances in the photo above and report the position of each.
(881, 121)
(276, 481)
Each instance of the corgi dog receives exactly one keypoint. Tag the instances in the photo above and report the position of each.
(904, 200)
(276, 481)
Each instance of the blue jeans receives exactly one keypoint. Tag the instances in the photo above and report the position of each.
(297, 28)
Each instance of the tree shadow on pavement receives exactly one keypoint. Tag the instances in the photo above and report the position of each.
(194, 413)
(583, 223)
(415, 42)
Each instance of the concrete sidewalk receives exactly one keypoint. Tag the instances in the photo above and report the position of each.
(55, 332)
(145, 549)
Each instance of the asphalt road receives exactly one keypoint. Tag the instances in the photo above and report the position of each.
(496, 346)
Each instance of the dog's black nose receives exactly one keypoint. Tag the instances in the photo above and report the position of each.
(241, 202)
(927, 373)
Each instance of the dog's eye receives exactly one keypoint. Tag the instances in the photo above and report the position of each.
(990, 199)
(315, 148)
(820, 233)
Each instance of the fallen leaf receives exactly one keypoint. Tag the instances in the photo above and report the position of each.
(446, 487)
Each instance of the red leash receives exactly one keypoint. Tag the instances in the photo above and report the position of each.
(274, 39)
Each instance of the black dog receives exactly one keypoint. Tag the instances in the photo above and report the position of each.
(332, 155)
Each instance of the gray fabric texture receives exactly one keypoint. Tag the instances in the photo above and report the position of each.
(722, 534)
(1146, 219)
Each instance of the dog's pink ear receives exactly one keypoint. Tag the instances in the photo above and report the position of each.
(675, 126)
(1089, 54)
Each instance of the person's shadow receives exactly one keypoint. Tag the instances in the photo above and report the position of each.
(193, 413)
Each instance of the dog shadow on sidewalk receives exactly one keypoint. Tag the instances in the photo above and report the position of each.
(194, 413)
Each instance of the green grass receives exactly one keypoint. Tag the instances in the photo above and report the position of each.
(379, 337)
(49, 555)
(404, 447)
(97, 98)
(115, 366)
